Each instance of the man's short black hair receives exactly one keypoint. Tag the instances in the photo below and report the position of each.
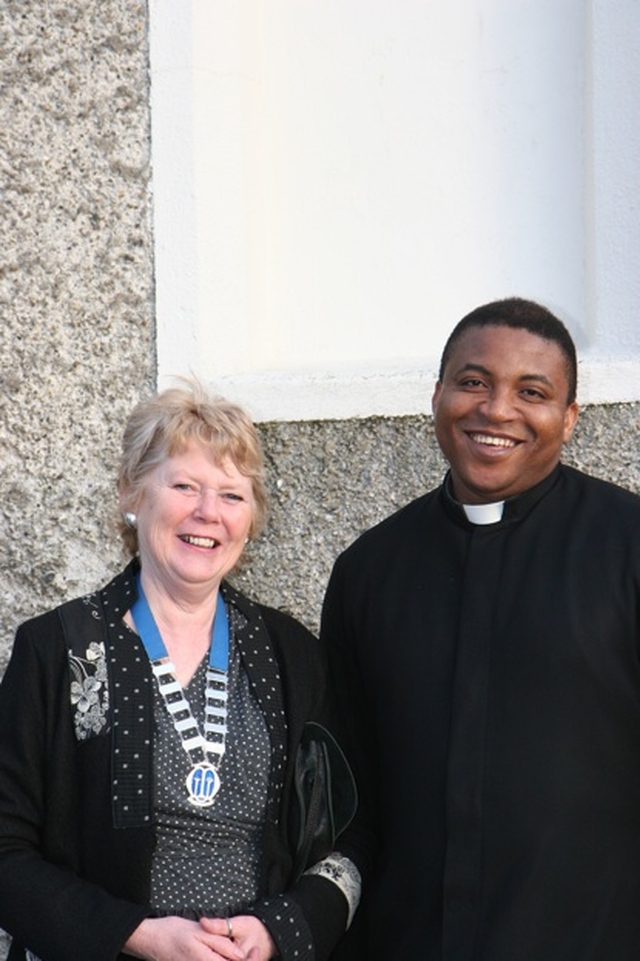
(524, 315)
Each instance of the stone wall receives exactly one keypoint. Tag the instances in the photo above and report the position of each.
(77, 339)
(76, 285)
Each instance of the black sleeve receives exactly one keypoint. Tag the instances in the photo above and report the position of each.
(340, 637)
(44, 905)
(308, 919)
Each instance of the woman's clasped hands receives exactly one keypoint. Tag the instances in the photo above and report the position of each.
(245, 933)
(241, 938)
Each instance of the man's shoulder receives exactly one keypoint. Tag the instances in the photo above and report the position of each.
(404, 523)
(599, 514)
(602, 491)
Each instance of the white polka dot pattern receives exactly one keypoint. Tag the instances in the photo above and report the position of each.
(206, 861)
(137, 758)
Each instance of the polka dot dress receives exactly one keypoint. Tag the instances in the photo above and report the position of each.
(207, 859)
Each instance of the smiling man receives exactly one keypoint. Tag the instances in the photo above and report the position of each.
(486, 641)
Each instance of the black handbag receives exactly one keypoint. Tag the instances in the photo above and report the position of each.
(325, 797)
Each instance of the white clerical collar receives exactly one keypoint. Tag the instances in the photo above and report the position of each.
(484, 513)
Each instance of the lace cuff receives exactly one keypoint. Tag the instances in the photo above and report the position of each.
(345, 875)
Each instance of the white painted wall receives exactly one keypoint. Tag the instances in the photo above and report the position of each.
(336, 182)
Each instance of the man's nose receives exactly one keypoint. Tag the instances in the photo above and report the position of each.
(499, 405)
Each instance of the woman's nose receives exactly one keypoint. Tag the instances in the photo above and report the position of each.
(208, 505)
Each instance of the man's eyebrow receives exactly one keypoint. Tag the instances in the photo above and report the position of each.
(537, 379)
(477, 368)
(472, 366)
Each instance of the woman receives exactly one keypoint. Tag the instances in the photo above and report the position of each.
(153, 734)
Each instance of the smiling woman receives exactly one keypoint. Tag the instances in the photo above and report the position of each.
(167, 423)
(165, 720)
(193, 520)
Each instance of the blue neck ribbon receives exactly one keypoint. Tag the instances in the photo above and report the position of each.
(152, 639)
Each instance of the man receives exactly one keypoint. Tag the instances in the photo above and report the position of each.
(487, 641)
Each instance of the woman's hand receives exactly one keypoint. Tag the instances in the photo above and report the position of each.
(165, 939)
(249, 934)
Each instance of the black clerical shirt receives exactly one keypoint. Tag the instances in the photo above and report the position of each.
(492, 675)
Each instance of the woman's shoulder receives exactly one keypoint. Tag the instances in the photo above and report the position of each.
(278, 622)
(46, 625)
(48, 630)
(85, 610)
(285, 625)
(296, 648)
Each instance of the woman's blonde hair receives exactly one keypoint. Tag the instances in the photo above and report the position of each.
(166, 423)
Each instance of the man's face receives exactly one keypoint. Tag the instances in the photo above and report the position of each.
(501, 413)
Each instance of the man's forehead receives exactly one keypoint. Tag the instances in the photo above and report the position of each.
(475, 340)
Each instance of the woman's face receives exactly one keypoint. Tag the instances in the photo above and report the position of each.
(194, 518)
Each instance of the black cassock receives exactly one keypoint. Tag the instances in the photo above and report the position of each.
(492, 675)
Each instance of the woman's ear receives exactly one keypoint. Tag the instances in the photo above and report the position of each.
(126, 501)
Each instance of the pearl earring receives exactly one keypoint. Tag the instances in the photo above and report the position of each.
(131, 520)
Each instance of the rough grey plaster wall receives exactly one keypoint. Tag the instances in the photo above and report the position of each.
(332, 480)
(76, 285)
(76, 282)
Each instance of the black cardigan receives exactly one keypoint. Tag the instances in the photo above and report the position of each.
(76, 820)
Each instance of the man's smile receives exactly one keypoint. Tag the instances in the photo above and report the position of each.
(492, 441)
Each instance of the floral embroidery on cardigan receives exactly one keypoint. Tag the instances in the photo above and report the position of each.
(89, 691)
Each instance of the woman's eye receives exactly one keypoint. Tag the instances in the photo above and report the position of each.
(185, 488)
(230, 496)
